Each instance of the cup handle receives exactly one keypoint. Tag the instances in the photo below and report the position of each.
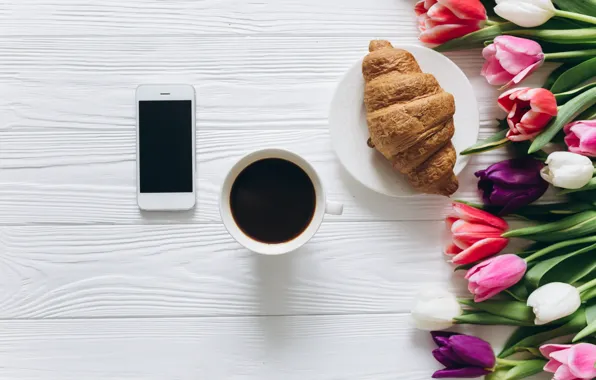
(334, 208)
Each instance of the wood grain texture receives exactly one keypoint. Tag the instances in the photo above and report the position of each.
(45, 180)
(87, 83)
(219, 17)
(198, 270)
(355, 347)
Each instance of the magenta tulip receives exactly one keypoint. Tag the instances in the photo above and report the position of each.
(443, 20)
(475, 234)
(464, 356)
(494, 275)
(581, 137)
(529, 111)
(509, 60)
(570, 362)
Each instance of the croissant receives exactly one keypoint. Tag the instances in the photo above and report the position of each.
(410, 118)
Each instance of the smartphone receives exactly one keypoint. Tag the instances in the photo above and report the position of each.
(166, 147)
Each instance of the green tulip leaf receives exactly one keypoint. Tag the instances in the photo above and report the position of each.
(514, 310)
(589, 114)
(540, 273)
(525, 369)
(589, 330)
(560, 247)
(564, 97)
(589, 294)
(581, 273)
(519, 291)
(567, 113)
(574, 77)
(589, 186)
(556, 73)
(482, 318)
(536, 335)
(540, 212)
(584, 7)
(519, 335)
(571, 270)
(536, 273)
(495, 141)
(573, 226)
(476, 39)
(591, 311)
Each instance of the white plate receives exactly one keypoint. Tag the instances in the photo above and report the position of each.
(349, 131)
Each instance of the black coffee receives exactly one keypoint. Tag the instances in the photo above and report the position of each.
(273, 200)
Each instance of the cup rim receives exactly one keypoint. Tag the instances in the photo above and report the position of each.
(228, 218)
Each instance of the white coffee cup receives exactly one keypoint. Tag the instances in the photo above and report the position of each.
(322, 207)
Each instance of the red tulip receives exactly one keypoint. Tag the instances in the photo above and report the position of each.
(494, 275)
(443, 20)
(529, 111)
(475, 234)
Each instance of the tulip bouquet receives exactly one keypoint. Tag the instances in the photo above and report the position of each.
(548, 289)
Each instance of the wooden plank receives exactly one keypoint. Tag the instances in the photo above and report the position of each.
(197, 270)
(92, 179)
(229, 17)
(87, 83)
(61, 184)
(354, 347)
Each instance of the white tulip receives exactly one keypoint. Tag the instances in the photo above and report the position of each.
(567, 170)
(554, 301)
(435, 309)
(526, 13)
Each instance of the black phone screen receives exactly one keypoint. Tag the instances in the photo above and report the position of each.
(165, 146)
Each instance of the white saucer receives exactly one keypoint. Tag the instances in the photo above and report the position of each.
(349, 132)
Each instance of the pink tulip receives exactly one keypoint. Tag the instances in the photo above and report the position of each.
(581, 137)
(475, 234)
(570, 362)
(443, 20)
(509, 60)
(494, 275)
(529, 111)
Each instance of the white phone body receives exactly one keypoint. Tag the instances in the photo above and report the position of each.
(163, 140)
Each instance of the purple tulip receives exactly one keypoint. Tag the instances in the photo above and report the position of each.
(463, 356)
(512, 184)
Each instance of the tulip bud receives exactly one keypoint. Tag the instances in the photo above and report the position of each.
(581, 137)
(526, 13)
(567, 170)
(441, 21)
(475, 234)
(529, 110)
(492, 276)
(572, 362)
(512, 184)
(464, 356)
(509, 60)
(435, 309)
(554, 301)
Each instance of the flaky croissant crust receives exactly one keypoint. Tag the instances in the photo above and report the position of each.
(410, 118)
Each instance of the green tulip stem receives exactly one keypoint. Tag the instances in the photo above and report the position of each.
(561, 56)
(587, 286)
(508, 363)
(576, 16)
(491, 23)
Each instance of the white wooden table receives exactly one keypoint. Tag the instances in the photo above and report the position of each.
(91, 288)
